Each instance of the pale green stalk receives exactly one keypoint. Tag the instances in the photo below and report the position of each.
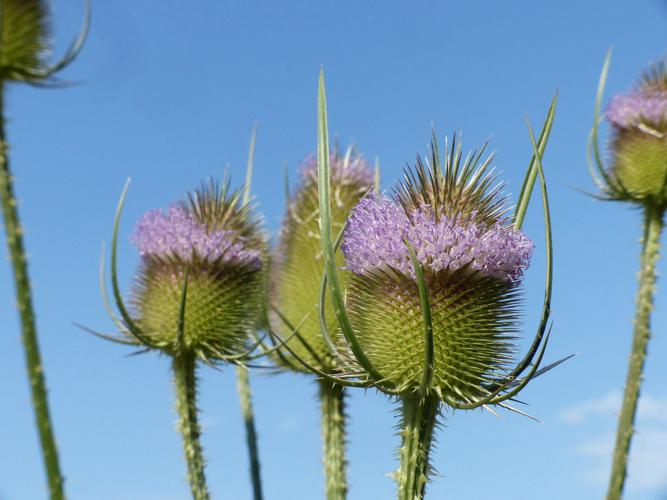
(332, 397)
(35, 368)
(243, 386)
(653, 225)
(184, 366)
(419, 415)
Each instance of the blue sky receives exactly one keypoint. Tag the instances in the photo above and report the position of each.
(167, 93)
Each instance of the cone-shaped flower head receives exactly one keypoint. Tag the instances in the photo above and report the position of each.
(299, 266)
(473, 262)
(639, 141)
(214, 240)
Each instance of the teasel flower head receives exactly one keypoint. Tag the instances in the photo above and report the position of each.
(25, 28)
(471, 260)
(638, 145)
(200, 283)
(299, 264)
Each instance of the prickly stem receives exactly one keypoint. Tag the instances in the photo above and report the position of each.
(35, 368)
(184, 366)
(332, 397)
(418, 424)
(653, 225)
(245, 396)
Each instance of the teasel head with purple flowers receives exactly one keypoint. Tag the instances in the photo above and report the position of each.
(637, 171)
(298, 266)
(199, 287)
(472, 261)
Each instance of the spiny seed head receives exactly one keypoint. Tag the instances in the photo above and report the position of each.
(214, 238)
(473, 262)
(24, 39)
(299, 264)
(639, 141)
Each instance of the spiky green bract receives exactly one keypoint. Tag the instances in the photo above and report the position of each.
(473, 316)
(224, 296)
(299, 265)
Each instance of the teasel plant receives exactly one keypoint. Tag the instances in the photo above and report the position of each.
(296, 287)
(636, 173)
(25, 47)
(430, 310)
(197, 296)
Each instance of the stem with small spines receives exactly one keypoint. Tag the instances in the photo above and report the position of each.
(35, 368)
(653, 225)
(243, 386)
(419, 415)
(184, 366)
(332, 397)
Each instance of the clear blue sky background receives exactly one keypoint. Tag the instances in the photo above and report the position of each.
(168, 92)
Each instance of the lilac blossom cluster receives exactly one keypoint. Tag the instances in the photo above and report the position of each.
(377, 229)
(636, 107)
(177, 233)
(353, 170)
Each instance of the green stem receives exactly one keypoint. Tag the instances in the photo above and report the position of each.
(185, 382)
(332, 397)
(243, 386)
(653, 224)
(419, 419)
(28, 329)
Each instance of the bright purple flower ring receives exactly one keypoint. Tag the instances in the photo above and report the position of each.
(377, 229)
(177, 233)
(639, 106)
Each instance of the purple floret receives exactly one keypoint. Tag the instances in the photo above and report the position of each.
(377, 229)
(177, 233)
(354, 170)
(639, 106)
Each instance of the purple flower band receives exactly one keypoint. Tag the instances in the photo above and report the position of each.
(377, 229)
(639, 106)
(176, 232)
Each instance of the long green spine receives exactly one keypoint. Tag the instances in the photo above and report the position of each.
(184, 366)
(245, 397)
(418, 424)
(19, 261)
(653, 225)
(332, 397)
